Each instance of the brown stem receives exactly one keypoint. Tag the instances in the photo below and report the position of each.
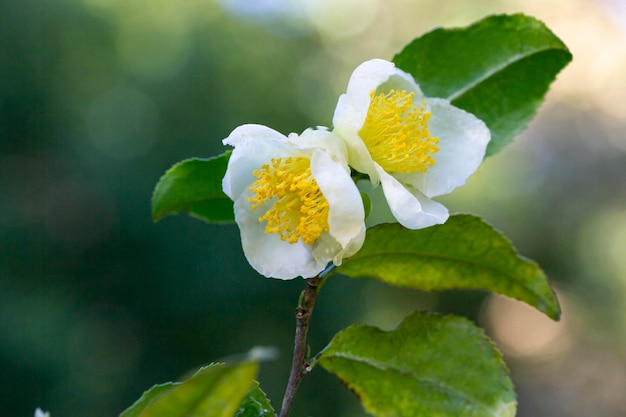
(299, 365)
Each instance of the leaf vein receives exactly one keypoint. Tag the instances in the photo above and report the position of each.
(433, 256)
(438, 385)
(488, 74)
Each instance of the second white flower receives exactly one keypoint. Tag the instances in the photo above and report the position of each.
(416, 147)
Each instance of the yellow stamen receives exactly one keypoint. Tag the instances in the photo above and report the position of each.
(396, 133)
(300, 210)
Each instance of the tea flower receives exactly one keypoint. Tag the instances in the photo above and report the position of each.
(414, 146)
(296, 205)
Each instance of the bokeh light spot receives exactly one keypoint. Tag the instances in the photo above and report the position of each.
(521, 331)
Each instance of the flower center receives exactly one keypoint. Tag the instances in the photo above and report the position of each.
(300, 210)
(396, 133)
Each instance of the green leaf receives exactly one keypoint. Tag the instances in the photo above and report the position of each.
(255, 404)
(463, 253)
(429, 366)
(194, 186)
(217, 390)
(499, 69)
(146, 398)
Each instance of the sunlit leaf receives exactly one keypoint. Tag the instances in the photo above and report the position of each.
(463, 253)
(429, 366)
(217, 390)
(255, 404)
(146, 398)
(499, 69)
(194, 186)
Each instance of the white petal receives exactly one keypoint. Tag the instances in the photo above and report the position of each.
(346, 214)
(379, 75)
(267, 253)
(253, 132)
(321, 138)
(326, 248)
(352, 107)
(372, 74)
(255, 145)
(352, 247)
(463, 140)
(348, 120)
(412, 209)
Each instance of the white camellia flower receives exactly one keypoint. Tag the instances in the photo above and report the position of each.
(296, 204)
(415, 146)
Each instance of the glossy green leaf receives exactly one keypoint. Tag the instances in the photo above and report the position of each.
(218, 390)
(194, 186)
(499, 69)
(215, 391)
(463, 253)
(146, 398)
(255, 404)
(429, 366)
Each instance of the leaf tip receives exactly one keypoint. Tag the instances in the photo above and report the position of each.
(553, 309)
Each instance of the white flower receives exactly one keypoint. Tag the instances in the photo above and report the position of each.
(296, 204)
(416, 147)
(40, 413)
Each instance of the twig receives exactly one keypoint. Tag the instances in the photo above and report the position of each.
(299, 363)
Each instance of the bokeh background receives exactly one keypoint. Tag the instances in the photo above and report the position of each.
(99, 97)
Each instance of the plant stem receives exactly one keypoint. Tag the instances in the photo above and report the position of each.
(299, 365)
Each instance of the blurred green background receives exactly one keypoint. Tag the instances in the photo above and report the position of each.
(99, 97)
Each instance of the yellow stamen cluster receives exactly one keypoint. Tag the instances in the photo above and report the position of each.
(396, 133)
(300, 210)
